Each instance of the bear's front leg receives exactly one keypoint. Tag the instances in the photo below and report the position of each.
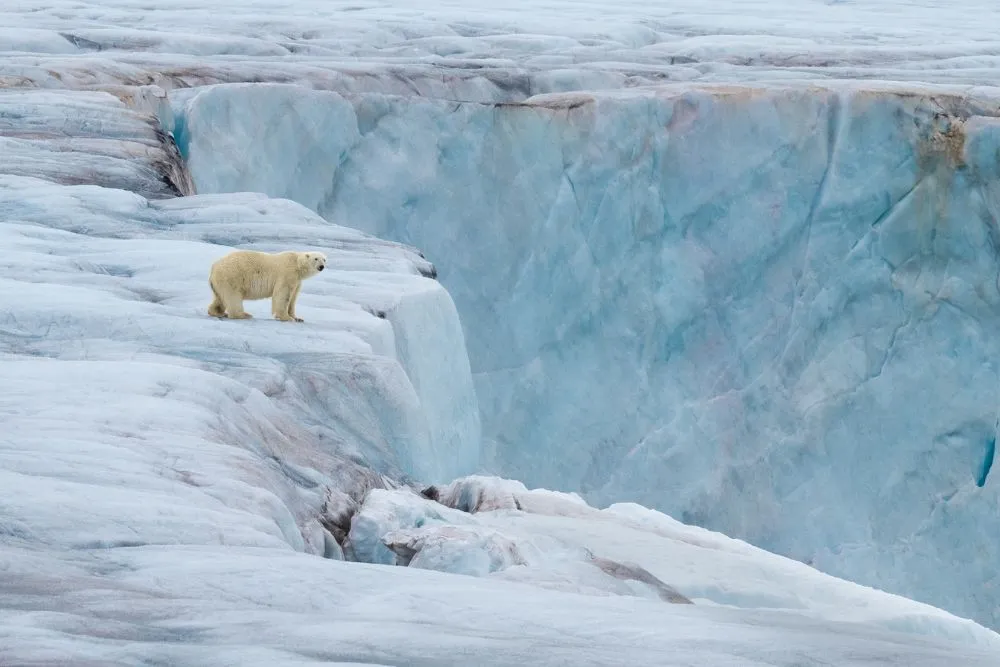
(279, 302)
(291, 304)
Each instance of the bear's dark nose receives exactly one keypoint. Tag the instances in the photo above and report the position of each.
(320, 267)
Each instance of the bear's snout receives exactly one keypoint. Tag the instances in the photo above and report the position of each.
(320, 267)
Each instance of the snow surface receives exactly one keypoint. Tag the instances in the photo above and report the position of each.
(497, 50)
(721, 280)
(555, 540)
(252, 607)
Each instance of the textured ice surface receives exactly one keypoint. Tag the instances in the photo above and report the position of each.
(205, 606)
(488, 51)
(75, 137)
(768, 311)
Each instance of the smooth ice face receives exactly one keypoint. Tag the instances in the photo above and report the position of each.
(767, 311)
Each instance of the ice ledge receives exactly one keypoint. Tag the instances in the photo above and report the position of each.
(239, 431)
(88, 137)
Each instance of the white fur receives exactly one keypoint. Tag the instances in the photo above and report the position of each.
(251, 275)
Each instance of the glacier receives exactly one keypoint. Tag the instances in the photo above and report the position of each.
(735, 265)
(720, 303)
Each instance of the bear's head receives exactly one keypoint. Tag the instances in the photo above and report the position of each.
(311, 263)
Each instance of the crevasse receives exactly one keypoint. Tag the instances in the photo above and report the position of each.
(770, 312)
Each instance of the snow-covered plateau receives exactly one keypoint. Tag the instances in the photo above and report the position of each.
(734, 263)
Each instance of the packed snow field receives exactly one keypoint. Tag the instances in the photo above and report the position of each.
(734, 263)
(498, 50)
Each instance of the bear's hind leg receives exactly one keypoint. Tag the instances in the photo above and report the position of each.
(216, 308)
(280, 300)
(234, 307)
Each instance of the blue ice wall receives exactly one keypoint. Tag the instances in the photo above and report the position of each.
(774, 313)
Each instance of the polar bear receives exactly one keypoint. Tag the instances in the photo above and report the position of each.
(248, 274)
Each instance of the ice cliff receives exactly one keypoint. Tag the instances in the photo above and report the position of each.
(768, 311)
